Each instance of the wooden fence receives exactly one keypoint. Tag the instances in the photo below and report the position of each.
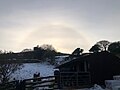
(30, 84)
(58, 81)
(74, 79)
(9, 85)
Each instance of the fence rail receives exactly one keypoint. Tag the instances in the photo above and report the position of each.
(74, 79)
(60, 80)
(40, 82)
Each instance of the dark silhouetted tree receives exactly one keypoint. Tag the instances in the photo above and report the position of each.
(49, 52)
(114, 47)
(77, 51)
(44, 52)
(38, 52)
(100, 46)
(103, 44)
(47, 47)
(1, 52)
(95, 48)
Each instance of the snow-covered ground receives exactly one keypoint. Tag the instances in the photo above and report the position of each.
(29, 69)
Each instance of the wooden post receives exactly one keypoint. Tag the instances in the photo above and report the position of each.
(77, 75)
(17, 84)
(57, 78)
(21, 85)
(85, 66)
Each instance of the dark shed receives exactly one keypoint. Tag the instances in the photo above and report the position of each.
(89, 69)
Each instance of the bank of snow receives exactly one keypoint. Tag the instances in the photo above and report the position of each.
(29, 69)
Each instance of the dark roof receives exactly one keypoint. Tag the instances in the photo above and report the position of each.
(80, 57)
(88, 56)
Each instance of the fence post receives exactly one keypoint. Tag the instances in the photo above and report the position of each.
(23, 85)
(57, 78)
(17, 84)
(20, 85)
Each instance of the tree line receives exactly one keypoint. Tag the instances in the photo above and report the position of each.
(48, 52)
(104, 45)
(41, 53)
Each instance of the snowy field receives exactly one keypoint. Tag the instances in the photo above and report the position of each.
(29, 69)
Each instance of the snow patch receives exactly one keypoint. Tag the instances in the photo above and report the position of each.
(96, 87)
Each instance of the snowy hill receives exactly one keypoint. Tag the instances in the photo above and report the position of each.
(29, 69)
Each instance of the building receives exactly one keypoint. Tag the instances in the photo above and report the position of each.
(88, 69)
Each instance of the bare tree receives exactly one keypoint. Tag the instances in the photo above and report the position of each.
(6, 70)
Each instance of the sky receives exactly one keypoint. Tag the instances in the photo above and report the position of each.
(65, 24)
